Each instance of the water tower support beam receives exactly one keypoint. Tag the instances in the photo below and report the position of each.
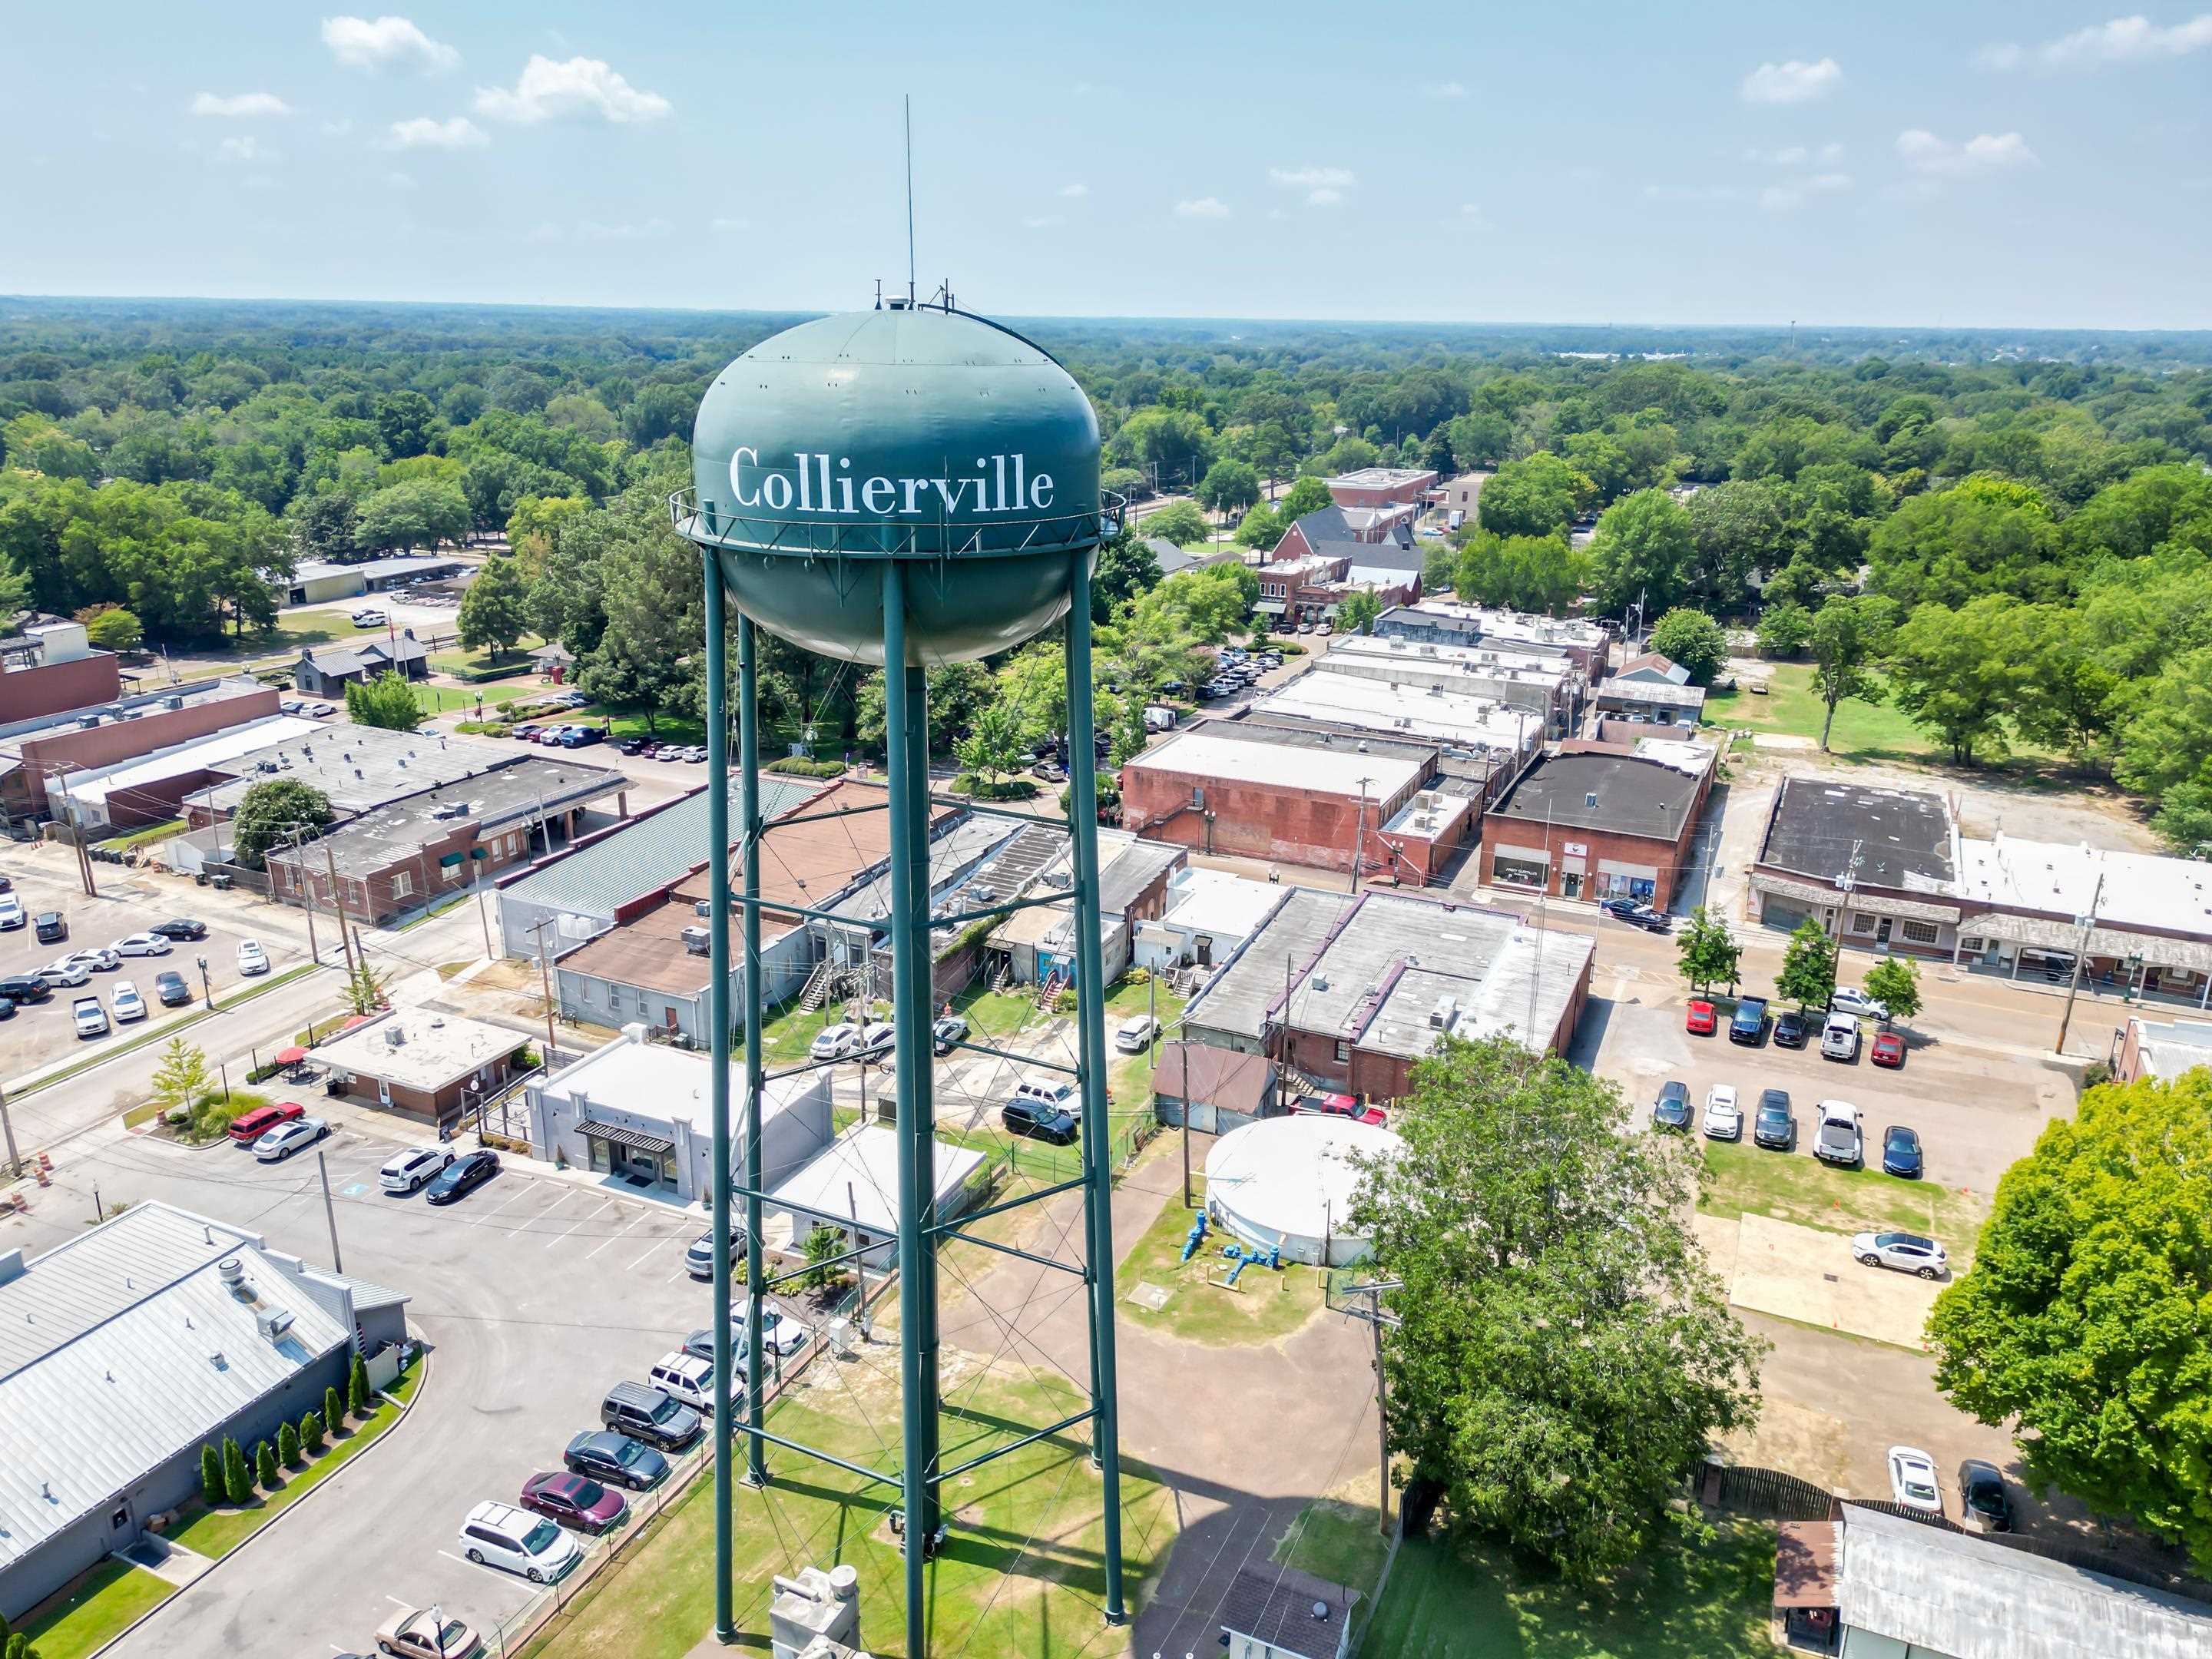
(718, 1001)
(749, 808)
(1090, 1020)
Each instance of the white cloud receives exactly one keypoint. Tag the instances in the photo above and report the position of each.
(1692, 193)
(725, 223)
(399, 181)
(581, 87)
(240, 105)
(1444, 89)
(1792, 83)
(428, 132)
(1043, 222)
(244, 150)
(385, 43)
(1924, 152)
(1472, 213)
(338, 129)
(1325, 198)
(1276, 213)
(1075, 192)
(647, 231)
(545, 231)
(1203, 207)
(1787, 198)
(2134, 40)
(1312, 178)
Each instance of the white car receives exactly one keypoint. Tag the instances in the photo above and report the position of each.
(838, 1041)
(91, 1018)
(1907, 1253)
(1849, 999)
(1052, 1098)
(286, 1138)
(251, 958)
(1133, 1037)
(878, 1038)
(1724, 1118)
(368, 618)
(779, 1332)
(405, 1172)
(11, 911)
(97, 958)
(125, 1002)
(142, 945)
(515, 1541)
(69, 970)
(1913, 1479)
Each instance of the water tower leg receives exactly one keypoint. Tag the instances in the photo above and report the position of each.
(749, 811)
(718, 841)
(921, 1012)
(1091, 1023)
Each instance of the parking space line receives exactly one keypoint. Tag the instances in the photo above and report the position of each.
(611, 1237)
(523, 1189)
(572, 1226)
(649, 1249)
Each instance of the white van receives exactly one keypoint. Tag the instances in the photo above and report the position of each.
(688, 1377)
(515, 1541)
(1839, 1038)
(1159, 718)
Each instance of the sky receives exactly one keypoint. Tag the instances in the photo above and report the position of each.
(1970, 164)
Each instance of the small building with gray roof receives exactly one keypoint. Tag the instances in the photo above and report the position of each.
(1592, 821)
(1872, 867)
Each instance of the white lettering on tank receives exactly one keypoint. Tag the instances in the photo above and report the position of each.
(742, 452)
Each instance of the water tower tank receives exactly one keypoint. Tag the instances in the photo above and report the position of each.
(923, 435)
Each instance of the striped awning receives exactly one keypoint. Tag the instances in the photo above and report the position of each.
(616, 1134)
(1269, 607)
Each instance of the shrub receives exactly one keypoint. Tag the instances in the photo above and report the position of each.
(799, 766)
(211, 1476)
(265, 1465)
(311, 1434)
(527, 1059)
(288, 1444)
(1064, 1001)
(237, 1479)
(496, 728)
(357, 1387)
(333, 1408)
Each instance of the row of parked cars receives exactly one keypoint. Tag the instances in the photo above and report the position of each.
(1238, 669)
(1838, 1027)
(559, 735)
(125, 1002)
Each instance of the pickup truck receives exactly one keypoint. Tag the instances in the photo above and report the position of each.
(91, 1018)
(1839, 1140)
(1748, 1023)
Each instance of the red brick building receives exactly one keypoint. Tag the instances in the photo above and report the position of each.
(1597, 821)
(1383, 486)
(150, 724)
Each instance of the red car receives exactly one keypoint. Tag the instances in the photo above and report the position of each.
(1702, 1019)
(572, 1500)
(249, 1126)
(1888, 1050)
(1345, 1106)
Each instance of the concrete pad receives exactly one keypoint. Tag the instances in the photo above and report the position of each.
(1780, 740)
(1719, 1235)
(1808, 1275)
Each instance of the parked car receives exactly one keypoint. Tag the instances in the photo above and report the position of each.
(501, 1535)
(50, 926)
(838, 1041)
(950, 1030)
(1887, 1049)
(1724, 1118)
(606, 1455)
(1839, 1038)
(147, 943)
(699, 1256)
(1982, 1497)
(409, 1171)
(11, 913)
(1913, 1479)
(631, 746)
(1900, 1152)
(20, 988)
(98, 958)
(1776, 1125)
(251, 958)
(124, 1002)
(67, 973)
(1050, 1125)
(649, 1414)
(1904, 1253)
(7, 1008)
(461, 1178)
(170, 989)
(1851, 1000)
(878, 1037)
(179, 927)
(91, 1018)
(1343, 1105)
(368, 616)
(1701, 1019)
(1052, 1096)
(1747, 1026)
(1133, 1037)
(1621, 910)
(427, 1633)
(1790, 1029)
(1652, 920)
(1049, 772)
(1839, 1139)
(286, 1138)
(579, 737)
(685, 1376)
(695, 753)
(526, 732)
(251, 1124)
(1671, 1111)
(779, 1334)
(576, 1501)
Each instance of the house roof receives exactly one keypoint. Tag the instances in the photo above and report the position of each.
(1627, 794)
(1335, 533)
(1288, 1611)
(1658, 693)
(855, 1179)
(1126, 873)
(374, 657)
(370, 570)
(435, 1049)
(1653, 666)
(359, 768)
(2066, 879)
(649, 950)
(1234, 1081)
(1829, 830)
(657, 1086)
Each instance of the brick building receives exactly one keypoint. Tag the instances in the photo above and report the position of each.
(1383, 486)
(1592, 821)
(1872, 867)
(1421, 839)
(49, 668)
(1447, 622)
(428, 1066)
(37, 749)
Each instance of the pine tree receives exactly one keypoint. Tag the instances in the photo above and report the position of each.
(237, 1479)
(211, 1476)
(357, 1388)
(333, 1409)
(311, 1434)
(288, 1444)
(265, 1465)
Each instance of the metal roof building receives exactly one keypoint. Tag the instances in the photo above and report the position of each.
(126, 1349)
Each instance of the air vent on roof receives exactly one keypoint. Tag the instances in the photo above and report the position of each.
(273, 1323)
(1590, 800)
(230, 1271)
(394, 1037)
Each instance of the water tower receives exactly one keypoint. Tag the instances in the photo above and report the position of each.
(910, 486)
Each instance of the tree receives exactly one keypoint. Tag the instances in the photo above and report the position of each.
(1126, 566)
(364, 991)
(1736, 529)
(1785, 629)
(1849, 637)
(1641, 553)
(494, 611)
(1959, 672)
(1692, 640)
(1538, 496)
(1564, 1356)
(1357, 611)
(357, 1393)
(389, 701)
(1261, 527)
(993, 747)
(1988, 535)
(118, 630)
(211, 1488)
(1180, 522)
(824, 1243)
(1709, 952)
(329, 527)
(333, 1407)
(288, 1444)
(1229, 487)
(1306, 494)
(271, 813)
(1894, 982)
(405, 423)
(2082, 1323)
(1808, 966)
(265, 1465)
(182, 1077)
(312, 1434)
(1522, 572)
(237, 1477)
(414, 512)
(2069, 697)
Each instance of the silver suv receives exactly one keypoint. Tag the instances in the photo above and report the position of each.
(1907, 1253)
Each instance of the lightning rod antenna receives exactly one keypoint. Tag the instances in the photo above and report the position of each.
(909, 201)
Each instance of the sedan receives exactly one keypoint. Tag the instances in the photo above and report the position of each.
(632, 746)
(1888, 1050)
(1913, 1479)
(170, 987)
(1652, 920)
(695, 753)
(69, 971)
(946, 1033)
(615, 1458)
(286, 1138)
(124, 1002)
(99, 958)
(1900, 1152)
(1790, 1029)
(11, 912)
(1672, 1109)
(526, 732)
(1724, 1118)
(1776, 1126)
(1849, 999)
(839, 1042)
(1622, 910)
(461, 1178)
(427, 1633)
(183, 927)
(1907, 1253)
(251, 958)
(574, 1500)
(780, 1335)
(142, 945)
(1701, 1019)
(1983, 1496)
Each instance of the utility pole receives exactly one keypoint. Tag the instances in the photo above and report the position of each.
(330, 1210)
(1359, 844)
(8, 1128)
(1183, 1051)
(545, 985)
(483, 918)
(338, 898)
(77, 840)
(1374, 1316)
(307, 893)
(2081, 951)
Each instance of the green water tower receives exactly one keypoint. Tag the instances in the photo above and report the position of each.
(910, 486)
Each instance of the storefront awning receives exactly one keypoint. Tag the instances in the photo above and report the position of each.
(616, 1134)
(1270, 607)
(1872, 904)
(2117, 944)
(449, 858)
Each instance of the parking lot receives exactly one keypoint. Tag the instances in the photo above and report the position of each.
(533, 1293)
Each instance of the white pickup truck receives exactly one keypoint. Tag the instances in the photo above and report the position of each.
(91, 1018)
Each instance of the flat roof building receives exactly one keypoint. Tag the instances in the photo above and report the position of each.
(358, 768)
(1375, 486)
(1544, 683)
(36, 753)
(316, 581)
(150, 786)
(1871, 865)
(1478, 726)
(1448, 622)
(853, 1187)
(1207, 914)
(1587, 822)
(430, 1066)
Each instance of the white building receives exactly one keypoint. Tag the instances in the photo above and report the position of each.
(1209, 915)
(1476, 724)
(853, 1188)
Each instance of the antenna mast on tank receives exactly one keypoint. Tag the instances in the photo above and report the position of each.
(909, 201)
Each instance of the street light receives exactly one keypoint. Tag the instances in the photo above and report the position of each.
(206, 990)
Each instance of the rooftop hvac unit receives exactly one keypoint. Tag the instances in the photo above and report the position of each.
(695, 940)
(273, 1323)
(1590, 800)
(173, 702)
(394, 1037)
(1441, 1017)
(88, 722)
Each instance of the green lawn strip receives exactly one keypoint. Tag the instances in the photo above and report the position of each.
(1264, 1305)
(152, 832)
(445, 699)
(161, 1033)
(786, 1039)
(1864, 731)
(1018, 1578)
(216, 1533)
(450, 901)
(93, 1609)
(1688, 1599)
(1794, 1187)
(1336, 1542)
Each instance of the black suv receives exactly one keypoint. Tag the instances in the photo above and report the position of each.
(1790, 1029)
(1039, 1123)
(649, 1414)
(169, 986)
(26, 987)
(614, 1460)
(52, 927)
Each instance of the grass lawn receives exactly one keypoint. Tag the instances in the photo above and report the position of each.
(785, 1038)
(152, 832)
(513, 660)
(662, 730)
(1864, 731)
(1337, 1543)
(1686, 1600)
(445, 699)
(218, 1532)
(1793, 1186)
(1262, 1306)
(93, 1609)
(1018, 1577)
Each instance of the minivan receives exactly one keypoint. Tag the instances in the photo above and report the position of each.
(501, 1535)
(1839, 1038)
(688, 1377)
(649, 1414)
